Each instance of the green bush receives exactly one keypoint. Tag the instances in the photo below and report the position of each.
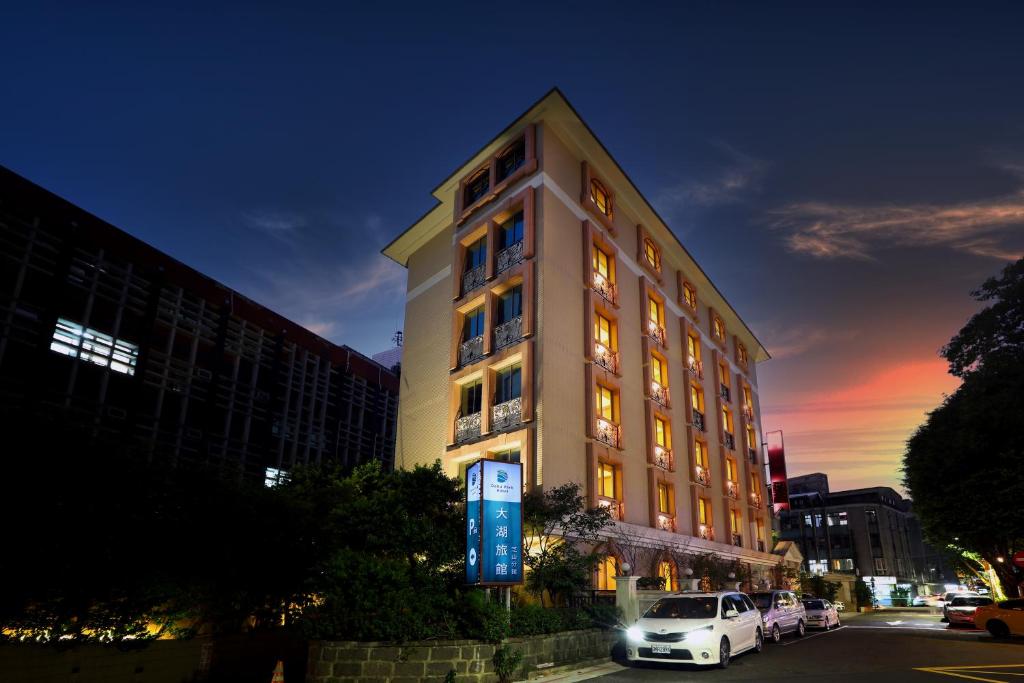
(532, 620)
(506, 661)
(652, 583)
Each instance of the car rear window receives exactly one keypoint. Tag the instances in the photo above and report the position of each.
(971, 602)
(814, 604)
(762, 600)
(683, 608)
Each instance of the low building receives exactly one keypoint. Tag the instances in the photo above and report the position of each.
(101, 330)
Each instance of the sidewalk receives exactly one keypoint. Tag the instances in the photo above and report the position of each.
(582, 672)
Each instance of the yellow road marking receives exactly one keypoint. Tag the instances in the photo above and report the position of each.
(964, 671)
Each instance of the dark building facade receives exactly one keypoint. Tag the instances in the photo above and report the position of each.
(102, 331)
(870, 532)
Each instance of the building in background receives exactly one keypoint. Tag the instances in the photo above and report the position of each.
(554, 319)
(870, 532)
(100, 330)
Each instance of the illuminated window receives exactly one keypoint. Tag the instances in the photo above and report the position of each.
(662, 434)
(741, 352)
(659, 373)
(666, 571)
(665, 505)
(477, 187)
(654, 312)
(748, 398)
(751, 438)
(726, 419)
(600, 196)
(274, 476)
(693, 347)
(723, 372)
(735, 521)
(603, 331)
(606, 572)
(690, 295)
(651, 254)
(760, 530)
(730, 469)
(602, 264)
(511, 159)
(74, 340)
(697, 397)
(607, 481)
(606, 403)
(704, 511)
(700, 454)
(718, 328)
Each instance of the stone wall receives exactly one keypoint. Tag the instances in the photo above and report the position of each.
(471, 660)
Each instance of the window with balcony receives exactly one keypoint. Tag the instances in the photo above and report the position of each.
(607, 415)
(467, 426)
(605, 343)
(718, 328)
(603, 276)
(725, 388)
(755, 489)
(477, 187)
(655, 320)
(741, 354)
(662, 443)
(472, 347)
(701, 473)
(508, 403)
(732, 483)
(727, 428)
(609, 488)
(659, 380)
(693, 363)
(736, 526)
(511, 159)
(666, 507)
(704, 521)
(601, 197)
(760, 536)
(510, 243)
(76, 341)
(751, 444)
(652, 254)
(690, 295)
(748, 403)
(697, 404)
(475, 270)
(508, 328)
(607, 570)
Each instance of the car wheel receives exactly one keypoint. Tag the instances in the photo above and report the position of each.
(997, 628)
(800, 629)
(723, 653)
(776, 633)
(758, 642)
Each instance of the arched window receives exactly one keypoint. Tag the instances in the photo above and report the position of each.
(601, 197)
(667, 571)
(477, 187)
(606, 572)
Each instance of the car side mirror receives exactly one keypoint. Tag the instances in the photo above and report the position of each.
(730, 613)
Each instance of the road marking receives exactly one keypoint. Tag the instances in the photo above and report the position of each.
(815, 635)
(965, 671)
(893, 623)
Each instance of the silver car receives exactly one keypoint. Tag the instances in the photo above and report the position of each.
(781, 613)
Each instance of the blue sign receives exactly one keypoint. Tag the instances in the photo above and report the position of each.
(473, 488)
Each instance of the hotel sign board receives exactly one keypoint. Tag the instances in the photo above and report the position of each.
(777, 470)
(494, 523)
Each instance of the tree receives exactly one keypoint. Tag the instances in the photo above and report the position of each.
(557, 524)
(962, 466)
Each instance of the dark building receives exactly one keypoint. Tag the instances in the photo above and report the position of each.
(869, 532)
(102, 331)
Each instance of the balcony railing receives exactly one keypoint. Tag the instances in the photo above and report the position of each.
(606, 358)
(656, 332)
(605, 288)
(471, 350)
(752, 454)
(607, 432)
(660, 394)
(732, 489)
(473, 278)
(706, 532)
(729, 440)
(695, 367)
(760, 546)
(467, 428)
(663, 458)
(509, 332)
(737, 540)
(510, 256)
(755, 499)
(507, 414)
(724, 392)
(698, 420)
(701, 475)
(666, 522)
(613, 507)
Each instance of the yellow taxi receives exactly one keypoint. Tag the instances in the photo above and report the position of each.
(1002, 618)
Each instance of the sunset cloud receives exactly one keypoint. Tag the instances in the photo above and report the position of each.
(825, 230)
(739, 175)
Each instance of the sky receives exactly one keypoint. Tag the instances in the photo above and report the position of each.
(845, 173)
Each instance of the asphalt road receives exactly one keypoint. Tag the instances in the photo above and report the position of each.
(880, 648)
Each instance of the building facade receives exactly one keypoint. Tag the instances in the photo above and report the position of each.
(554, 319)
(869, 532)
(100, 330)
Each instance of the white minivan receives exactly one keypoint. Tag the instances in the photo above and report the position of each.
(696, 628)
(781, 613)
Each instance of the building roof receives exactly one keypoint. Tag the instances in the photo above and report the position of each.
(555, 110)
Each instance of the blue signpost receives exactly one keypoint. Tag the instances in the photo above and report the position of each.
(494, 523)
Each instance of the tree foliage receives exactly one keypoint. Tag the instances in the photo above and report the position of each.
(963, 465)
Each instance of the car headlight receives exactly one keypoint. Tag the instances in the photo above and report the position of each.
(700, 636)
(635, 634)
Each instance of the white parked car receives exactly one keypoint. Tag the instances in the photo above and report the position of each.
(820, 613)
(781, 613)
(696, 628)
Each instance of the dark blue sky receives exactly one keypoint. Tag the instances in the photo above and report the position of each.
(845, 174)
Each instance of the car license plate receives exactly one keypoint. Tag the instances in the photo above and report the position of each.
(660, 649)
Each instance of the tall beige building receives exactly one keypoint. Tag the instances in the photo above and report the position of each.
(553, 318)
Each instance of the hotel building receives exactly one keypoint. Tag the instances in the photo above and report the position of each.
(555, 320)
